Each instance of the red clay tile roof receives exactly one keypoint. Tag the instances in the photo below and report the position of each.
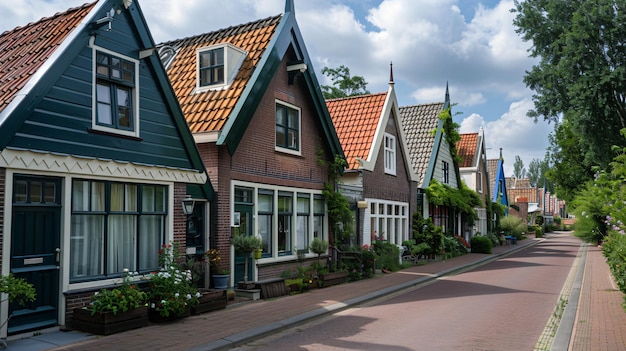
(25, 49)
(419, 122)
(209, 110)
(466, 148)
(356, 120)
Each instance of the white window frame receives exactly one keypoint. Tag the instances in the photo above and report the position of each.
(297, 151)
(275, 254)
(233, 59)
(389, 143)
(135, 95)
(389, 217)
(479, 186)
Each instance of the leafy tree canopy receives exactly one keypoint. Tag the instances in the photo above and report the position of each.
(343, 84)
(580, 78)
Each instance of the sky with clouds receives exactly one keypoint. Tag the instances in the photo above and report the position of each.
(469, 44)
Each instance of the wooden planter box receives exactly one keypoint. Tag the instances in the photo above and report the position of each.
(155, 317)
(107, 323)
(334, 278)
(210, 300)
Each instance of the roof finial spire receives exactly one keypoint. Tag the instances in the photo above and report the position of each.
(447, 94)
(501, 154)
(289, 6)
(391, 72)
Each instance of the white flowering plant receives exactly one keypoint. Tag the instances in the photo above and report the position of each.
(171, 288)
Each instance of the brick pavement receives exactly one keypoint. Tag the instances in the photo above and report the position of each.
(600, 323)
(601, 329)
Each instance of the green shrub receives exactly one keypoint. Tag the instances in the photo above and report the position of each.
(614, 249)
(481, 244)
(495, 240)
(513, 226)
(388, 255)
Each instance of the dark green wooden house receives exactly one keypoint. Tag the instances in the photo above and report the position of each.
(95, 157)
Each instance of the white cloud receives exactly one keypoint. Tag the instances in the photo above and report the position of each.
(430, 42)
(515, 133)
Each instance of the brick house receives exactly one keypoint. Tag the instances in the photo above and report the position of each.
(380, 180)
(253, 103)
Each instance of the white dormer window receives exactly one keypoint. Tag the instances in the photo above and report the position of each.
(218, 65)
(390, 154)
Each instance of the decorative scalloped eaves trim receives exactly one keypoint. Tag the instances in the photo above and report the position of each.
(87, 166)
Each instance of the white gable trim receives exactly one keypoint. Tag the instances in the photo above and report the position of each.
(67, 164)
(390, 106)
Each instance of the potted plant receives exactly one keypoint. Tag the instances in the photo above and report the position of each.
(171, 290)
(220, 277)
(113, 310)
(246, 244)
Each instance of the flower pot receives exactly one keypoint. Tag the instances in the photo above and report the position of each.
(107, 323)
(220, 281)
(258, 254)
(210, 300)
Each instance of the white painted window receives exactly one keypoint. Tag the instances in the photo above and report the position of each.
(389, 220)
(390, 154)
(218, 65)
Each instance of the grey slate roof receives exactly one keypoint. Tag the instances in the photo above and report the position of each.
(419, 122)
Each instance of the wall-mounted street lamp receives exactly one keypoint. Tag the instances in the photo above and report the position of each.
(188, 204)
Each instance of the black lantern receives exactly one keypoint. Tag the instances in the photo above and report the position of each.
(188, 204)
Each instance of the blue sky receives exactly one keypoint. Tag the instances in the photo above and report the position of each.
(469, 44)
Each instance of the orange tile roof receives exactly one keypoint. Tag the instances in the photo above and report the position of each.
(25, 49)
(356, 119)
(466, 148)
(209, 110)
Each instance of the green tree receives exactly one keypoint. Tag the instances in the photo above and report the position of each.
(580, 78)
(343, 84)
(536, 172)
(568, 171)
(518, 168)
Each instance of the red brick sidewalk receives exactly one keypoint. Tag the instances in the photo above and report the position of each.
(600, 321)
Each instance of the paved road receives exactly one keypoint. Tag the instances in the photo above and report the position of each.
(502, 305)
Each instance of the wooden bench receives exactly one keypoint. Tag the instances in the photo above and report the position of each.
(272, 288)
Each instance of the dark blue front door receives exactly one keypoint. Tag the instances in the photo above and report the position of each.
(35, 250)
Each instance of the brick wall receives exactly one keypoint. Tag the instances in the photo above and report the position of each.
(255, 159)
(379, 185)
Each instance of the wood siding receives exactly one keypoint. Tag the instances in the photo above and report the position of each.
(61, 120)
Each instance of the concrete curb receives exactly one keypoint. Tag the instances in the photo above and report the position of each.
(566, 326)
